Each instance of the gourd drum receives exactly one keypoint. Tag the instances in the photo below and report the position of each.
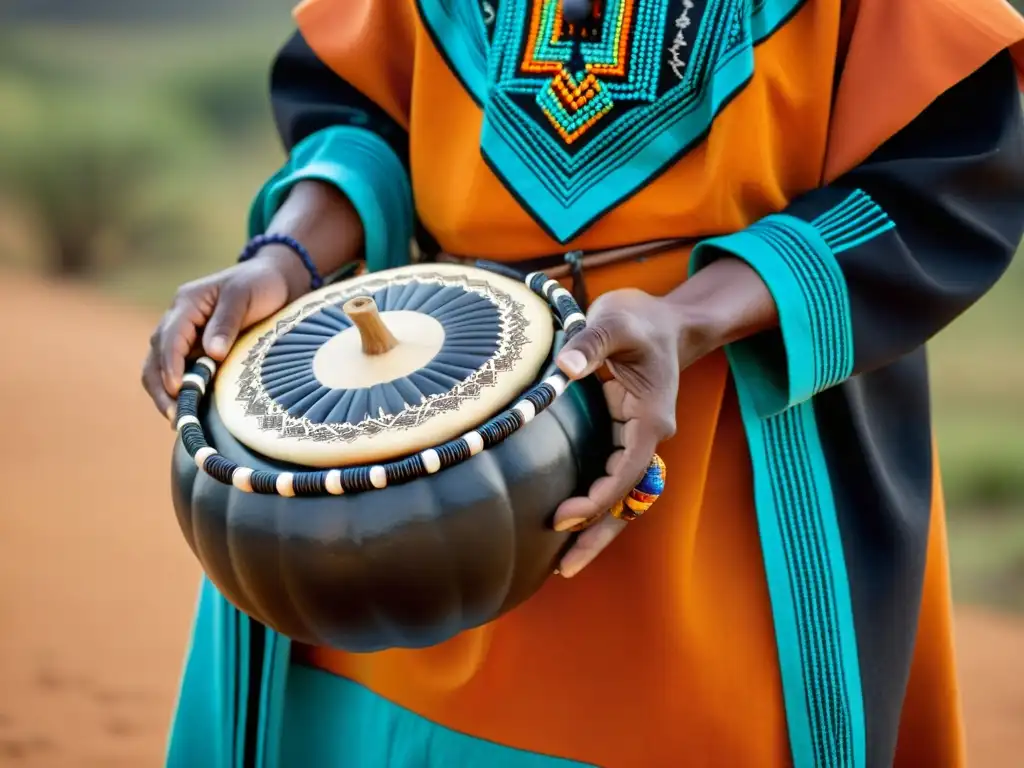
(377, 465)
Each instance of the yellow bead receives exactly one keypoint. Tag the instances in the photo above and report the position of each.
(639, 507)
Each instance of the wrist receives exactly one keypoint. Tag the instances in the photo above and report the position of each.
(724, 302)
(324, 221)
(286, 263)
(698, 329)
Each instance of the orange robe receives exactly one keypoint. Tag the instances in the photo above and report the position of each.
(664, 651)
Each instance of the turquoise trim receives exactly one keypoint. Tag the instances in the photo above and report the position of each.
(208, 729)
(460, 36)
(276, 662)
(331, 722)
(853, 222)
(242, 652)
(566, 191)
(808, 586)
(367, 171)
(202, 730)
(797, 261)
(797, 520)
(565, 211)
(800, 270)
(643, 52)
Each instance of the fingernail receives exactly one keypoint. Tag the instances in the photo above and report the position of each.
(170, 413)
(171, 385)
(556, 572)
(218, 346)
(567, 525)
(568, 573)
(573, 362)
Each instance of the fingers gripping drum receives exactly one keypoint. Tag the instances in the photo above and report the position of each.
(370, 432)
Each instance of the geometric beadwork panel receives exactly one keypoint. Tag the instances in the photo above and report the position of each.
(579, 115)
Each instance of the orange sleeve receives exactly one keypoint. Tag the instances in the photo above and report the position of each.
(898, 56)
(369, 43)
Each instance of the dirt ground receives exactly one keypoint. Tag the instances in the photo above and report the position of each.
(97, 585)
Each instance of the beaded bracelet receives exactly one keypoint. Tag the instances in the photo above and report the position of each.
(257, 243)
(368, 477)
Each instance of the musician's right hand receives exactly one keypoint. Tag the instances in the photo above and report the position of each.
(208, 314)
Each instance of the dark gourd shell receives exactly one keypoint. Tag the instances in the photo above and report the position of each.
(408, 566)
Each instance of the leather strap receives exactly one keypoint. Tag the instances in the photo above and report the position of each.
(558, 266)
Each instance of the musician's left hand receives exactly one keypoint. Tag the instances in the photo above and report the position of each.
(645, 341)
(638, 337)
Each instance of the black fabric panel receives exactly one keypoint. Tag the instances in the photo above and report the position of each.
(953, 184)
(876, 435)
(308, 96)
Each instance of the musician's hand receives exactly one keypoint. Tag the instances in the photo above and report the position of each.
(638, 337)
(645, 342)
(218, 307)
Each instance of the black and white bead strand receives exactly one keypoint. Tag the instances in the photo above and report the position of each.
(336, 482)
(566, 308)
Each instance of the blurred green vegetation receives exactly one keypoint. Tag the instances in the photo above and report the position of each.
(129, 155)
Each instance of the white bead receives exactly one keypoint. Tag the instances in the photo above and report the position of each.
(203, 454)
(208, 364)
(557, 383)
(549, 286)
(475, 441)
(530, 277)
(241, 478)
(196, 379)
(572, 320)
(431, 461)
(333, 483)
(186, 420)
(286, 484)
(559, 293)
(527, 409)
(379, 477)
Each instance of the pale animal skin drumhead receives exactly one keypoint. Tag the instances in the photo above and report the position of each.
(299, 388)
(340, 364)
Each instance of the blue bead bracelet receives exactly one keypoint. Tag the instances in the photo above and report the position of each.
(260, 241)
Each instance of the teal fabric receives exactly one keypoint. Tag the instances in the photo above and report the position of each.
(808, 587)
(460, 35)
(853, 222)
(800, 270)
(209, 728)
(367, 171)
(273, 685)
(777, 377)
(202, 732)
(207, 731)
(331, 722)
(567, 189)
(797, 261)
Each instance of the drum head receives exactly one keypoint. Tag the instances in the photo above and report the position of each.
(312, 385)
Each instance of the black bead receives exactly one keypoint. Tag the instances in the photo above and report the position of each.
(576, 11)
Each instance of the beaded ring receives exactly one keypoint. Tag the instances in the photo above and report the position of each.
(644, 493)
(255, 245)
(357, 479)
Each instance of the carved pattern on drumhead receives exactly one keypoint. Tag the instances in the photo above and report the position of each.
(271, 416)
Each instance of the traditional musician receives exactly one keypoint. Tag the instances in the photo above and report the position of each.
(840, 178)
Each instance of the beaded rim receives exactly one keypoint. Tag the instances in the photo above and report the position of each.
(343, 480)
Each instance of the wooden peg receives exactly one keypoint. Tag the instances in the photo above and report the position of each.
(376, 337)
